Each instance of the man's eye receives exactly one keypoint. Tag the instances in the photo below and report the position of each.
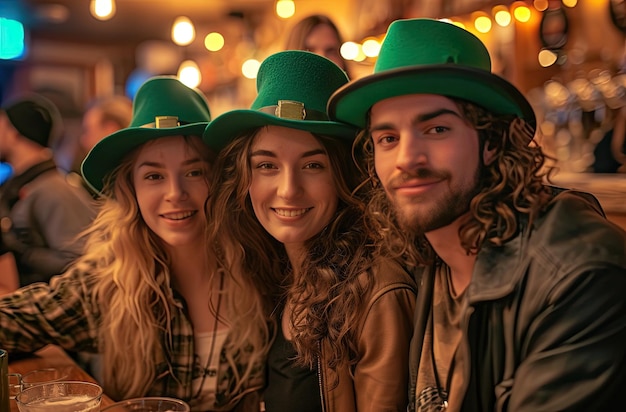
(437, 130)
(385, 139)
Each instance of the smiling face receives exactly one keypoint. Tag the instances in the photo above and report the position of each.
(427, 159)
(170, 180)
(292, 190)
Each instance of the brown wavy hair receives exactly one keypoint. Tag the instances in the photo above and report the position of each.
(329, 289)
(512, 189)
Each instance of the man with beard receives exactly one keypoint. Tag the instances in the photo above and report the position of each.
(521, 285)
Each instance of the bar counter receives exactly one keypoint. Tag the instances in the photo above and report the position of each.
(52, 357)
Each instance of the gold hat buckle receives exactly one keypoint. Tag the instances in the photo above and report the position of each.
(290, 109)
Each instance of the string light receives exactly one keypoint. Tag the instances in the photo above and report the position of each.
(250, 68)
(540, 5)
(102, 9)
(183, 32)
(349, 50)
(371, 47)
(546, 58)
(482, 23)
(214, 41)
(501, 15)
(189, 73)
(521, 12)
(285, 8)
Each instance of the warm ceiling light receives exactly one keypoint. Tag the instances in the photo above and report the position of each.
(360, 56)
(546, 58)
(102, 9)
(501, 15)
(214, 41)
(250, 68)
(189, 74)
(570, 3)
(540, 5)
(482, 24)
(285, 8)
(371, 47)
(183, 32)
(349, 50)
(521, 12)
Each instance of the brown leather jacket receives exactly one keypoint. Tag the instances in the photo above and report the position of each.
(378, 382)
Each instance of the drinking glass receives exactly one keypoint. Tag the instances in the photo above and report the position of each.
(4, 380)
(149, 404)
(62, 396)
(39, 376)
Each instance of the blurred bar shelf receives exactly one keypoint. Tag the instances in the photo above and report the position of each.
(609, 188)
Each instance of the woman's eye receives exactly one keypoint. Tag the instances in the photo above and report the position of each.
(196, 173)
(314, 165)
(153, 176)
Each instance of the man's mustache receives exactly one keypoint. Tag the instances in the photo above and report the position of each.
(421, 173)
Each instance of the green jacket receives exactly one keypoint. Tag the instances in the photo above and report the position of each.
(63, 313)
(545, 326)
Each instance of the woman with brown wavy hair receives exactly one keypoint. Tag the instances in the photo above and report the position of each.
(286, 206)
(521, 290)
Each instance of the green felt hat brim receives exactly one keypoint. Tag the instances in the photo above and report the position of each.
(108, 153)
(351, 103)
(229, 125)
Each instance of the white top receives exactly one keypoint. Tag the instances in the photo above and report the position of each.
(208, 379)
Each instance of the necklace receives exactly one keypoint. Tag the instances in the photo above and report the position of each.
(441, 391)
(443, 394)
(205, 370)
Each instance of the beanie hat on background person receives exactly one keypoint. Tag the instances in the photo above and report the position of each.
(35, 117)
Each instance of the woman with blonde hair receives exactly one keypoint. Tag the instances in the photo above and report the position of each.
(148, 294)
(286, 205)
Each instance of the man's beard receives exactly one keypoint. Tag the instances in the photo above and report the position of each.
(446, 210)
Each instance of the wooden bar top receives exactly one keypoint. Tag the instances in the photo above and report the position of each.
(52, 357)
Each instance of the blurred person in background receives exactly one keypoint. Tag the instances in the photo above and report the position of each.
(318, 34)
(147, 293)
(9, 278)
(41, 212)
(102, 117)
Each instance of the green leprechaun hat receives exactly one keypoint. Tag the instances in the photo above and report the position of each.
(293, 89)
(427, 56)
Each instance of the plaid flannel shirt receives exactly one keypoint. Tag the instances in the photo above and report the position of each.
(63, 313)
